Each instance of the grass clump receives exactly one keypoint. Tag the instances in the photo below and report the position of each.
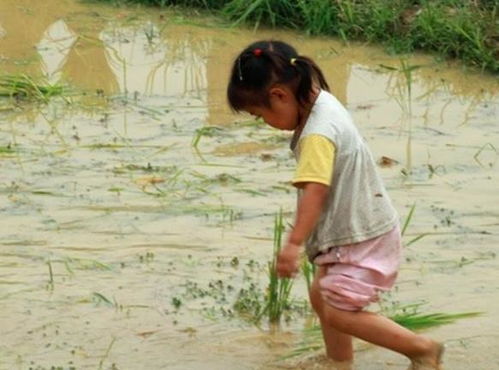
(466, 30)
(273, 12)
(207, 4)
(23, 87)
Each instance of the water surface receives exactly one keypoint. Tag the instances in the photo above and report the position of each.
(116, 203)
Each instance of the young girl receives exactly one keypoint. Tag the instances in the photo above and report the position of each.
(344, 214)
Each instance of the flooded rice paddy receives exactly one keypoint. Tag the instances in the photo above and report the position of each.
(135, 207)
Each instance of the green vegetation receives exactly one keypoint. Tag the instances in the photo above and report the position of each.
(23, 87)
(418, 321)
(277, 299)
(466, 30)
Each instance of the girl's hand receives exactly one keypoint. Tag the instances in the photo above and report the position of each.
(288, 260)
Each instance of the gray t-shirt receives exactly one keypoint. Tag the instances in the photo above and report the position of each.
(358, 207)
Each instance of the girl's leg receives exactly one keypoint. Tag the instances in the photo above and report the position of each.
(384, 332)
(338, 344)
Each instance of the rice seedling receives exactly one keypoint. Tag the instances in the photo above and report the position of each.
(106, 354)
(99, 298)
(277, 298)
(87, 264)
(51, 276)
(407, 221)
(23, 87)
(476, 157)
(6, 151)
(208, 131)
(419, 321)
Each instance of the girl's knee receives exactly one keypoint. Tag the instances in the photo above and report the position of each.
(315, 292)
(340, 320)
(315, 297)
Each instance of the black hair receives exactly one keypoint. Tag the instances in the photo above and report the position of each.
(265, 63)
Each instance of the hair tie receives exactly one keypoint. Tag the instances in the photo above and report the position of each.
(239, 68)
(292, 61)
(257, 52)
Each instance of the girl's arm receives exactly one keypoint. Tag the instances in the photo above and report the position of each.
(309, 210)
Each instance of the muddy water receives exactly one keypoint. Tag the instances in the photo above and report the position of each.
(123, 209)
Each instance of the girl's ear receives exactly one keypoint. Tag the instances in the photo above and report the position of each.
(279, 92)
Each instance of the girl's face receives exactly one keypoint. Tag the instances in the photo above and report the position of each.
(284, 111)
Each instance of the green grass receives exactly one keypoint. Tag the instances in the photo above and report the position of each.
(208, 4)
(462, 29)
(24, 87)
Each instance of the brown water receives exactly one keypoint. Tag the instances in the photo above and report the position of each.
(109, 213)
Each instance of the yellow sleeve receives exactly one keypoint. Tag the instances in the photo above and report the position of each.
(315, 160)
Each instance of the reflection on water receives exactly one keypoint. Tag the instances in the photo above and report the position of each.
(108, 211)
(54, 48)
(2, 31)
(142, 61)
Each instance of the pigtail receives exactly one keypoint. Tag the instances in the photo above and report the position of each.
(309, 73)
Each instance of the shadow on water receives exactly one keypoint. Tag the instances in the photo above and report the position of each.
(126, 202)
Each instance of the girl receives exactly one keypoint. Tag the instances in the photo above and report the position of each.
(344, 214)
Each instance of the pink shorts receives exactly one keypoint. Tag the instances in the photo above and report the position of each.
(355, 273)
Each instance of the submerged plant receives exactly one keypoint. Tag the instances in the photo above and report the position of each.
(24, 87)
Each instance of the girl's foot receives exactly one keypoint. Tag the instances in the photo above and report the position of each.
(431, 361)
(321, 362)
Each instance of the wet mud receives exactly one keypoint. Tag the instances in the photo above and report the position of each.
(135, 206)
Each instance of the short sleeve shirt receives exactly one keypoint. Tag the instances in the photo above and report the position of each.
(316, 160)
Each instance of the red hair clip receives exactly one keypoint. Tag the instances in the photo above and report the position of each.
(257, 52)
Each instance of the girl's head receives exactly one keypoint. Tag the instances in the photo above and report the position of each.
(265, 67)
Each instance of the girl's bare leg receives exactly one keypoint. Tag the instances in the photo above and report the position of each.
(338, 344)
(339, 326)
(384, 332)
